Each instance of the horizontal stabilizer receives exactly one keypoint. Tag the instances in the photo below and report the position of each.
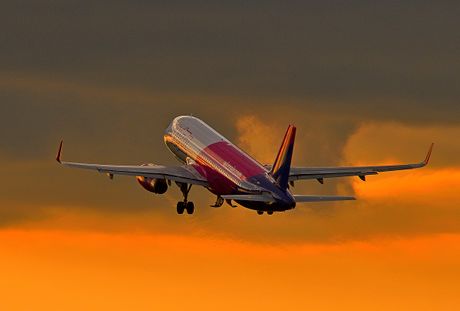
(321, 198)
(250, 197)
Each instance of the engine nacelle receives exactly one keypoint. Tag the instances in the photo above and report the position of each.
(158, 186)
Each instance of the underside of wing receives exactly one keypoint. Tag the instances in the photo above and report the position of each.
(184, 174)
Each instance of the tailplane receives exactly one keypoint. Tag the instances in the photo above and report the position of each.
(321, 198)
(282, 166)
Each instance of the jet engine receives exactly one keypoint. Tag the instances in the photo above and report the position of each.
(158, 186)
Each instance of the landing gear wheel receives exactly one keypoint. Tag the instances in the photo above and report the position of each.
(190, 208)
(180, 207)
(270, 212)
(185, 205)
(260, 212)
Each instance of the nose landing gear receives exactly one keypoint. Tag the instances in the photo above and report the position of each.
(262, 212)
(219, 202)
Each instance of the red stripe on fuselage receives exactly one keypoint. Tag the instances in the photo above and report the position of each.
(229, 159)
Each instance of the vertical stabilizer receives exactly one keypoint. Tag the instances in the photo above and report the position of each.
(282, 166)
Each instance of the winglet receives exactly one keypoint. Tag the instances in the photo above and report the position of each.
(428, 155)
(58, 157)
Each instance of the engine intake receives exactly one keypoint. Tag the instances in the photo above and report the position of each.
(158, 186)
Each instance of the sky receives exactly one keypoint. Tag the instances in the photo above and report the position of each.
(365, 83)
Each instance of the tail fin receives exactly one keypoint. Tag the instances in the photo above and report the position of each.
(282, 166)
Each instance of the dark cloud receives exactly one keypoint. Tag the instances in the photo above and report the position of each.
(36, 113)
(391, 60)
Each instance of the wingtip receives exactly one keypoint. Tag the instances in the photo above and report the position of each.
(58, 156)
(428, 155)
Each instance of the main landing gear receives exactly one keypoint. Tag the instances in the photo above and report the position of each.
(262, 212)
(185, 205)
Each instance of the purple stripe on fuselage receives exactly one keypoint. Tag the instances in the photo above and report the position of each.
(218, 183)
(233, 159)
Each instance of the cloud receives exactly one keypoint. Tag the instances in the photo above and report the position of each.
(92, 134)
(395, 141)
(259, 139)
(38, 111)
(407, 202)
(428, 187)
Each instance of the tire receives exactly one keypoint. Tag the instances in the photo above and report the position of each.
(180, 207)
(270, 212)
(190, 208)
(260, 212)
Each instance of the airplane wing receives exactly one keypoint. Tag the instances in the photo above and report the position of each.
(319, 173)
(184, 174)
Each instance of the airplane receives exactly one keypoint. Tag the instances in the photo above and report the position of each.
(212, 161)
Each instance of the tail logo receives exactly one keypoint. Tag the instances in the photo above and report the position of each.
(282, 165)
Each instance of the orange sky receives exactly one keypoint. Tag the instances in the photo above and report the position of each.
(91, 271)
